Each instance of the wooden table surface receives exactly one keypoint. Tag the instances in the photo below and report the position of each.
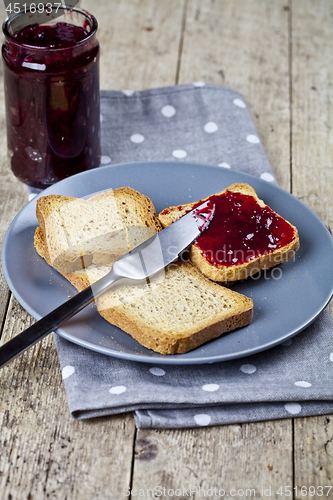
(279, 55)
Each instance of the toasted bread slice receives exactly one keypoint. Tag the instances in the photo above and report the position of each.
(244, 237)
(99, 230)
(81, 278)
(178, 312)
(174, 312)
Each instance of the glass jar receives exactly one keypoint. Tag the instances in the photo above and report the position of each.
(51, 77)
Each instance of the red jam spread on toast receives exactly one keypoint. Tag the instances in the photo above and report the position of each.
(241, 230)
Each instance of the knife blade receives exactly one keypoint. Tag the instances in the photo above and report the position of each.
(136, 266)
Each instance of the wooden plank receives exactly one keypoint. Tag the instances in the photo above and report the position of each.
(314, 457)
(312, 181)
(44, 452)
(12, 192)
(222, 45)
(139, 42)
(250, 457)
(244, 45)
(312, 96)
(12, 198)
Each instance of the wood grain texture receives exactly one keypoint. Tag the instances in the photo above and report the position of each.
(44, 452)
(314, 457)
(312, 182)
(12, 198)
(262, 49)
(12, 193)
(222, 45)
(245, 46)
(312, 108)
(250, 456)
(139, 42)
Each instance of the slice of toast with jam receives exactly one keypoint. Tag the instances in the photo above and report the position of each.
(244, 237)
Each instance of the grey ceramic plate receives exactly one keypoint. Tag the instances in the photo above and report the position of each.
(286, 299)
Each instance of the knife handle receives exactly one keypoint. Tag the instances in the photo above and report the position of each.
(44, 326)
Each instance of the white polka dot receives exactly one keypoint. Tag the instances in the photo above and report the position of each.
(137, 138)
(293, 408)
(199, 84)
(168, 111)
(253, 139)
(331, 356)
(210, 387)
(67, 371)
(202, 419)
(210, 127)
(105, 159)
(266, 176)
(157, 371)
(248, 369)
(287, 343)
(225, 165)
(239, 103)
(302, 383)
(179, 153)
(128, 93)
(118, 389)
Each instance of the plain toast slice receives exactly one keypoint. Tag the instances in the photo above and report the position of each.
(173, 313)
(99, 230)
(178, 312)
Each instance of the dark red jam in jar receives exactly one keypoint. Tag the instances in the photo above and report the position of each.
(51, 75)
(241, 230)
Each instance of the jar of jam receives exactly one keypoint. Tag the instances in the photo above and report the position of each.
(51, 77)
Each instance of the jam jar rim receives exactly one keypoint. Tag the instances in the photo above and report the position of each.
(42, 48)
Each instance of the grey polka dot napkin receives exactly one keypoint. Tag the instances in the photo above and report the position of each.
(211, 125)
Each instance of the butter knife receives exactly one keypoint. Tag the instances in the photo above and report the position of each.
(136, 266)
